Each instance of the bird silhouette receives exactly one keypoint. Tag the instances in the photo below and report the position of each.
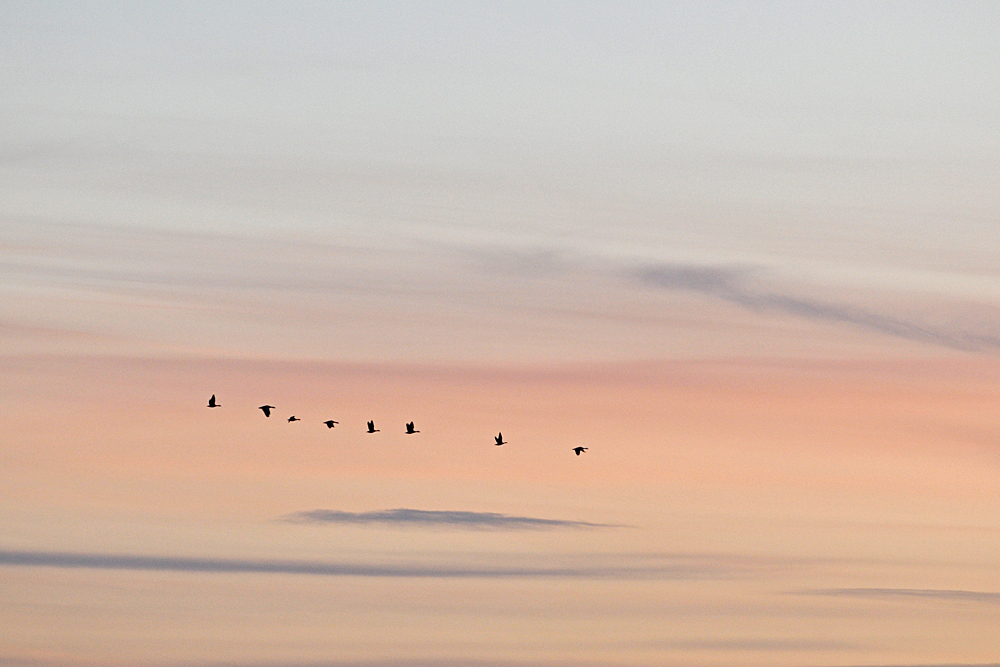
(329, 423)
(371, 427)
(293, 418)
(499, 439)
(409, 429)
(212, 403)
(267, 409)
(579, 450)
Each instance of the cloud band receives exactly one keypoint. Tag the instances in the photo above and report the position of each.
(440, 518)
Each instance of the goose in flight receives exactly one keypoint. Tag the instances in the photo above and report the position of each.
(293, 418)
(579, 450)
(212, 403)
(371, 427)
(330, 423)
(409, 429)
(499, 439)
(267, 409)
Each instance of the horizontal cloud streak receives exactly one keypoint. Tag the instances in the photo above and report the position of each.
(437, 518)
(734, 285)
(679, 567)
(925, 593)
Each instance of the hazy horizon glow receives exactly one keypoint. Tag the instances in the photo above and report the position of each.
(746, 254)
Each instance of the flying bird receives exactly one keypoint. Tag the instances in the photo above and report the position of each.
(267, 409)
(499, 439)
(409, 429)
(329, 423)
(293, 418)
(212, 403)
(371, 427)
(579, 450)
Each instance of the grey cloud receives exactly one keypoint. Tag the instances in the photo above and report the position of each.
(925, 593)
(679, 567)
(739, 286)
(450, 518)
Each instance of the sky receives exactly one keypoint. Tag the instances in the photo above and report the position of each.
(746, 254)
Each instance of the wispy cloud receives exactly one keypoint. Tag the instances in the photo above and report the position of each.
(740, 286)
(608, 566)
(438, 518)
(925, 593)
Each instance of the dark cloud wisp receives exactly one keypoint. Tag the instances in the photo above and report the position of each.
(741, 287)
(981, 597)
(438, 518)
(613, 567)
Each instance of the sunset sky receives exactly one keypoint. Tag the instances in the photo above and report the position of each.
(748, 254)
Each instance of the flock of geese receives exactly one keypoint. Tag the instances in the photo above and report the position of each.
(410, 429)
